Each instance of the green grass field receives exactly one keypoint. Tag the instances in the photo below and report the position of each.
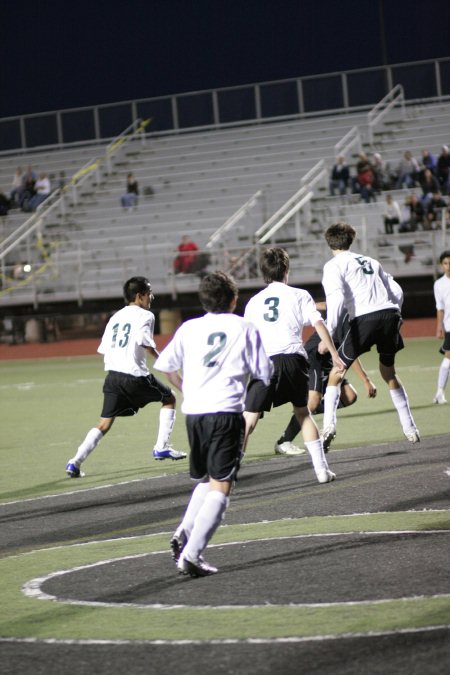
(49, 404)
(47, 407)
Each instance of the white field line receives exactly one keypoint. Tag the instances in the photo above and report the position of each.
(32, 588)
(228, 641)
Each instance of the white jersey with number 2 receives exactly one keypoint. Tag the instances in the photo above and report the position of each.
(216, 353)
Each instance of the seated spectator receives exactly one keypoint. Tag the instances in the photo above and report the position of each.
(28, 189)
(5, 204)
(407, 171)
(186, 260)
(364, 179)
(416, 214)
(16, 188)
(392, 214)
(129, 200)
(429, 184)
(382, 174)
(42, 190)
(429, 161)
(443, 170)
(435, 207)
(340, 175)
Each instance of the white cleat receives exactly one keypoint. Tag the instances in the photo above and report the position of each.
(288, 448)
(327, 435)
(440, 399)
(199, 568)
(325, 476)
(413, 435)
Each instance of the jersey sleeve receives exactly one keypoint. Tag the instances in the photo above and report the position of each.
(145, 337)
(259, 364)
(332, 285)
(171, 358)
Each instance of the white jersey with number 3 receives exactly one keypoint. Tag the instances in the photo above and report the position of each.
(216, 353)
(279, 312)
(127, 333)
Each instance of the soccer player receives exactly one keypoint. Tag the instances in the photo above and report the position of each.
(358, 284)
(216, 354)
(441, 290)
(280, 312)
(129, 385)
(320, 366)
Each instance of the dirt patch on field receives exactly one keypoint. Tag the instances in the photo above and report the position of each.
(39, 350)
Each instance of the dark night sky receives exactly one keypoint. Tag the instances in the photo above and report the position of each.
(59, 55)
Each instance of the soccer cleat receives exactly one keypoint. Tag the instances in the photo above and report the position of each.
(73, 471)
(440, 399)
(327, 436)
(325, 476)
(413, 435)
(199, 568)
(288, 448)
(177, 544)
(168, 453)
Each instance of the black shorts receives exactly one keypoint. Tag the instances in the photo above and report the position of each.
(319, 365)
(289, 384)
(124, 394)
(216, 441)
(377, 328)
(446, 346)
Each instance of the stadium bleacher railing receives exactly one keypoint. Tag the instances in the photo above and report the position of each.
(281, 99)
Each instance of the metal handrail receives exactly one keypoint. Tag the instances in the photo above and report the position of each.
(233, 219)
(381, 109)
(351, 138)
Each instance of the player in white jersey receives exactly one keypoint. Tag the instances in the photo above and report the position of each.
(210, 359)
(441, 290)
(129, 385)
(372, 299)
(280, 312)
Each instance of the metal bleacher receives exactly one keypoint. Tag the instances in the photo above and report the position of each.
(198, 180)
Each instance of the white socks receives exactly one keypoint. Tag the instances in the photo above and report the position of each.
(89, 444)
(444, 371)
(401, 403)
(195, 503)
(207, 521)
(330, 404)
(315, 449)
(166, 422)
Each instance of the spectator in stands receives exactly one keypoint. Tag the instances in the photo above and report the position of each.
(17, 188)
(382, 175)
(129, 200)
(416, 214)
(42, 190)
(364, 181)
(436, 206)
(443, 170)
(186, 260)
(407, 171)
(392, 214)
(429, 161)
(28, 191)
(5, 204)
(429, 184)
(340, 175)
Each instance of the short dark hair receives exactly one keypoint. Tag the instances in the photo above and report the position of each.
(444, 254)
(135, 286)
(217, 291)
(274, 264)
(340, 236)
